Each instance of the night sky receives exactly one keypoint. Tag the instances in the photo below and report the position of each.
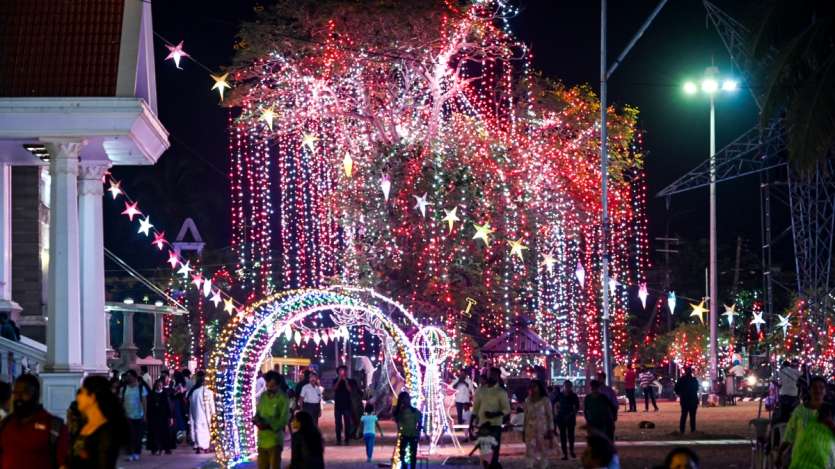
(190, 178)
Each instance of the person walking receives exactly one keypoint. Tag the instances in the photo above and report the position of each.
(788, 393)
(485, 444)
(31, 437)
(105, 428)
(160, 420)
(133, 396)
(629, 379)
(271, 415)
(370, 425)
(409, 425)
(491, 405)
(307, 450)
(610, 393)
(201, 409)
(687, 389)
(464, 390)
(599, 411)
(356, 408)
(311, 397)
(647, 379)
(538, 429)
(342, 410)
(568, 404)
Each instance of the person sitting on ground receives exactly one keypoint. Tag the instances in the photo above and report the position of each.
(486, 444)
(307, 447)
(681, 458)
(600, 453)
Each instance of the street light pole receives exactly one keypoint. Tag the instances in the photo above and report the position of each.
(714, 281)
(604, 194)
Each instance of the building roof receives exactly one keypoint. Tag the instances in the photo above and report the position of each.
(519, 339)
(60, 47)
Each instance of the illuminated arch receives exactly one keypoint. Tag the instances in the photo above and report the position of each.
(248, 337)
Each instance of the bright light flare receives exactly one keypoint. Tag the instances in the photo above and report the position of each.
(690, 88)
(730, 85)
(710, 85)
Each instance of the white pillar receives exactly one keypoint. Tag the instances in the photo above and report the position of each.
(6, 302)
(159, 337)
(109, 349)
(63, 331)
(128, 349)
(91, 250)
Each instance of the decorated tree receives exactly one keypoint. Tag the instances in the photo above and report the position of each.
(415, 152)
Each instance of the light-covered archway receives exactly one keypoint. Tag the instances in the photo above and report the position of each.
(248, 337)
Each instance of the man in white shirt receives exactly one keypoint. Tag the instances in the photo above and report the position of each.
(464, 391)
(311, 398)
(788, 376)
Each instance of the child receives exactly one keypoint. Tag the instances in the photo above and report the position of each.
(517, 421)
(369, 424)
(486, 443)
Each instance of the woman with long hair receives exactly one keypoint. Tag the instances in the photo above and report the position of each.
(307, 448)
(409, 424)
(160, 419)
(538, 433)
(105, 431)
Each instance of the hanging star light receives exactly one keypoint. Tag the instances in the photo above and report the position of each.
(483, 232)
(197, 279)
(671, 302)
(176, 53)
(580, 273)
(228, 305)
(131, 210)
(145, 226)
(115, 188)
(268, 115)
(730, 312)
(451, 217)
(216, 299)
(643, 293)
(516, 248)
(159, 240)
(173, 259)
(207, 287)
(185, 269)
(784, 323)
(613, 285)
(758, 320)
(421, 204)
(699, 311)
(385, 185)
(297, 338)
(548, 260)
(220, 84)
(288, 333)
(309, 141)
(348, 165)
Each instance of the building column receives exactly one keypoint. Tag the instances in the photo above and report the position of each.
(109, 352)
(159, 337)
(128, 349)
(6, 303)
(63, 331)
(91, 250)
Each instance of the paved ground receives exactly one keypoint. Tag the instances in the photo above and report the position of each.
(722, 441)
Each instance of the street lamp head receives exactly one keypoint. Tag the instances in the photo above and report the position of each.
(690, 88)
(710, 85)
(729, 85)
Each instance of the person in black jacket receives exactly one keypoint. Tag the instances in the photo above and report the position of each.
(307, 448)
(687, 388)
(160, 420)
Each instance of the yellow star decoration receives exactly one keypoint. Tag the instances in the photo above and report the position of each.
(483, 233)
(268, 116)
(451, 217)
(309, 141)
(549, 261)
(228, 306)
(220, 83)
(699, 311)
(516, 248)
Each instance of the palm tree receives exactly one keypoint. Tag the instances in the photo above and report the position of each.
(795, 40)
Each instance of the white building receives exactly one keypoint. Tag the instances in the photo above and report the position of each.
(77, 96)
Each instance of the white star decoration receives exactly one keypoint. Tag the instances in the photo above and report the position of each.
(758, 320)
(784, 323)
(145, 225)
(185, 269)
(483, 233)
(309, 141)
(268, 115)
(176, 53)
(422, 204)
(451, 217)
(548, 260)
(115, 188)
(216, 299)
(730, 312)
(220, 84)
(516, 248)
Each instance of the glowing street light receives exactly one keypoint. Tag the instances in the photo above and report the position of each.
(729, 85)
(710, 85)
(690, 88)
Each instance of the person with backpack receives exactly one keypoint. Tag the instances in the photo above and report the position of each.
(687, 389)
(134, 397)
(31, 437)
(409, 425)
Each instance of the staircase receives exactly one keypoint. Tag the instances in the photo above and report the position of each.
(20, 357)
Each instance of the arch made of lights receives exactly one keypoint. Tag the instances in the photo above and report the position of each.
(248, 338)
